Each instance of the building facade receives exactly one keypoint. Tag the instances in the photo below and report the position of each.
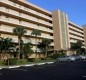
(53, 25)
(84, 29)
(60, 26)
(66, 32)
(16, 13)
(75, 33)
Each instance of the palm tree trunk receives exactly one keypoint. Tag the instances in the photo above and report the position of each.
(7, 59)
(36, 47)
(46, 52)
(22, 56)
(19, 49)
(0, 55)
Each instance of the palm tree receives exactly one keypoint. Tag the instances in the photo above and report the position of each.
(77, 46)
(46, 42)
(19, 31)
(41, 47)
(73, 46)
(1, 45)
(36, 33)
(83, 51)
(5, 45)
(44, 45)
(27, 48)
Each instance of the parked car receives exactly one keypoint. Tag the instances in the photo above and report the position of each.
(66, 58)
(80, 57)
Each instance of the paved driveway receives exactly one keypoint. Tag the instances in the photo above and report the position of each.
(59, 71)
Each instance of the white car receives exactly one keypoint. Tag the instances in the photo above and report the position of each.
(66, 58)
(80, 57)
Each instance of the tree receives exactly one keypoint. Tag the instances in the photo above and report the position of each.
(5, 45)
(1, 44)
(77, 46)
(46, 42)
(36, 33)
(73, 46)
(83, 51)
(27, 49)
(44, 45)
(41, 47)
(19, 31)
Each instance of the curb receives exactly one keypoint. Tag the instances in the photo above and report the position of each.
(27, 65)
(13, 67)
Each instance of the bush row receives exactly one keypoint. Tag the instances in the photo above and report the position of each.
(14, 61)
(56, 55)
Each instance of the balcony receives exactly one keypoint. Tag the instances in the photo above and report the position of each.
(20, 7)
(76, 33)
(75, 37)
(25, 17)
(75, 29)
(26, 24)
(6, 28)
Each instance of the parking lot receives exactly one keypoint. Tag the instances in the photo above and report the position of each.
(60, 71)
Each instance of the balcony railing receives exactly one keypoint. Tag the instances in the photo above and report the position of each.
(15, 21)
(29, 18)
(24, 9)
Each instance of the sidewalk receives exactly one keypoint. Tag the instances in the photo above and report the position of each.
(25, 65)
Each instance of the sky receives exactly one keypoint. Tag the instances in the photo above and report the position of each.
(76, 9)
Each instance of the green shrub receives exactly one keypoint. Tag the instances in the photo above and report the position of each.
(2, 63)
(11, 61)
(31, 59)
(21, 61)
(56, 55)
(43, 58)
(62, 54)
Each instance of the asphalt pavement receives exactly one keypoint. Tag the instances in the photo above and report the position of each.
(60, 71)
